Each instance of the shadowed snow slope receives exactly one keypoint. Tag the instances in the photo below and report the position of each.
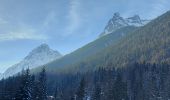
(37, 57)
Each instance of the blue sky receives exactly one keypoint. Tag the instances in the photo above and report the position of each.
(63, 24)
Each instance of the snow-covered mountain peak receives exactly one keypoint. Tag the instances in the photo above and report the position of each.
(116, 15)
(135, 17)
(39, 56)
(117, 22)
(41, 48)
(135, 21)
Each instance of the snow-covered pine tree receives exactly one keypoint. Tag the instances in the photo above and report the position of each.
(33, 88)
(24, 92)
(42, 86)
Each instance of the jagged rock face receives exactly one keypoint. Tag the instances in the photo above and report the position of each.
(118, 22)
(37, 57)
(115, 23)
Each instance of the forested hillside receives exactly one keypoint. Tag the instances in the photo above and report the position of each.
(138, 81)
(89, 50)
(114, 67)
(149, 43)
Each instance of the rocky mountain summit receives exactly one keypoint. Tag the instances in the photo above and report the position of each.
(37, 57)
(117, 22)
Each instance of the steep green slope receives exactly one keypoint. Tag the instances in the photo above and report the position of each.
(90, 49)
(150, 43)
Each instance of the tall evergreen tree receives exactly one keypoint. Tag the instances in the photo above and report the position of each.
(58, 94)
(33, 87)
(42, 86)
(81, 90)
(24, 92)
(120, 89)
(97, 92)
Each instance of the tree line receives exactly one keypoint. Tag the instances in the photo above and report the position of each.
(24, 87)
(137, 81)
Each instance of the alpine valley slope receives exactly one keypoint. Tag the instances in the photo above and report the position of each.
(88, 50)
(91, 49)
(150, 44)
(37, 57)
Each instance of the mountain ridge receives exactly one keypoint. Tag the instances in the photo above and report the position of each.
(118, 22)
(38, 56)
(90, 49)
(148, 43)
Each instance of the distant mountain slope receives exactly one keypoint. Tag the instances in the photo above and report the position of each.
(150, 43)
(91, 48)
(39, 56)
(117, 22)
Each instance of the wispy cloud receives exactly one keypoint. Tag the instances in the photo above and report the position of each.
(19, 35)
(51, 16)
(74, 16)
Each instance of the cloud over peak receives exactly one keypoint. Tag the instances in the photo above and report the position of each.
(19, 35)
(74, 16)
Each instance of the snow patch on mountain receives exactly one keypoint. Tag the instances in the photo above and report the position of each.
(37, 57)
(118, 22)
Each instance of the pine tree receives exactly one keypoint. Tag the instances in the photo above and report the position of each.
(120, 89)
(58, 95)
(33, 88)
(81, 90)
(42, 86)
(97, 92)
(24, 92)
